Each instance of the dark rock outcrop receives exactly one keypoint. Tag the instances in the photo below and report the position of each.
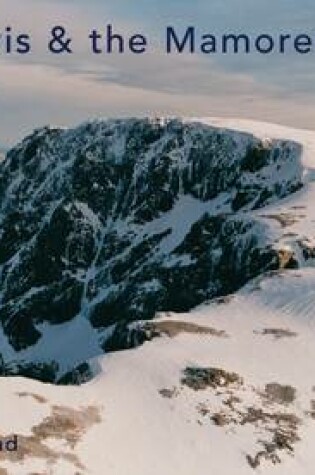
(115, 220)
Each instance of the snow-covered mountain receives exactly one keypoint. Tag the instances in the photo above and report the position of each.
(190, 245)
(108, 223)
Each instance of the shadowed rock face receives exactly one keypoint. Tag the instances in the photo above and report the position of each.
(116, 220)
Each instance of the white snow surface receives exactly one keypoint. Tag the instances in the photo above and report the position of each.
(141, 431)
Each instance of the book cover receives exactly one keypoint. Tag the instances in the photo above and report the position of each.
(157, 237)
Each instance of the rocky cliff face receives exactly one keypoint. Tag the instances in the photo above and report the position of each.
(115, 220)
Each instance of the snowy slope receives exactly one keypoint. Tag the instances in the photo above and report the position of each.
(146, 419)
(228, 388)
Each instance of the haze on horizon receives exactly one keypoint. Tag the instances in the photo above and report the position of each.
(39, 89)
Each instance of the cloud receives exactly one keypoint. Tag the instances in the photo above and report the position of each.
(40, 88)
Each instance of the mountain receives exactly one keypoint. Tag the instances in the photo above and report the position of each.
(190, 245)
(113, 221)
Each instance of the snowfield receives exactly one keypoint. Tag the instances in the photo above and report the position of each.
(228, 389)
(147, 419)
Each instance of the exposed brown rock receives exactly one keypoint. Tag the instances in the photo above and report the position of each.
(65, 424)
(200, 378)
(37, 397)
(282, 394)
(277, 333)
(285, 219)
(173, 328)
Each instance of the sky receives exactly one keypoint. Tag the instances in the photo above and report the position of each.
(39, 88)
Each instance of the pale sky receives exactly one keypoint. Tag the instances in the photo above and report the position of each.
(38, 88)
